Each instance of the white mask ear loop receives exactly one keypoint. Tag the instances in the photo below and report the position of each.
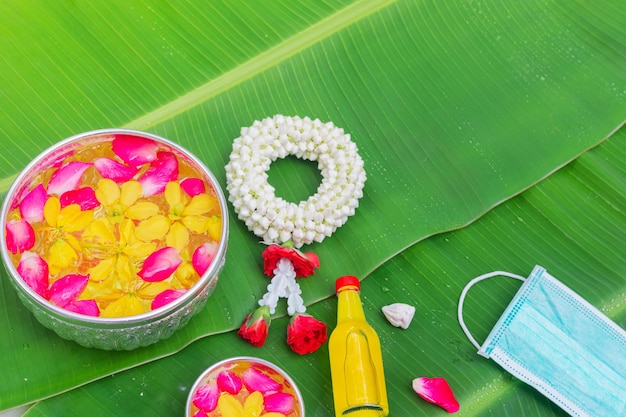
(464, 293)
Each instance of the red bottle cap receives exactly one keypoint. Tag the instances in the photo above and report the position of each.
(347, 281)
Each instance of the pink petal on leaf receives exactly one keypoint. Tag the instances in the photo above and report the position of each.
(85, 197)
(436, 391)
(255, 380)
(228, 381)
(31, 206)
(280, 402)
(66, 289)
(165, 298)
(34, 271)
(135, 150)
(67, 177)
(160, 264)
(113, 170)
(193, 186)
(20, 236)
(205, 397)
(163, 170)
(203, 256)
(85, 307)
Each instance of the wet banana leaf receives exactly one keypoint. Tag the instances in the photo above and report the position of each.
(455, 107)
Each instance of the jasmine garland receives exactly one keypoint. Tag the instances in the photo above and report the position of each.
(274, 219)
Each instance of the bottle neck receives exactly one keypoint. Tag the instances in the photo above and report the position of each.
(349, 305)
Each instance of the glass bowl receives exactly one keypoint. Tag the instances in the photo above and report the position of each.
(93, 176)
(259, 385)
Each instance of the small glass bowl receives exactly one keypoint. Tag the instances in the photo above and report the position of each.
(118, 333)
(239, 366)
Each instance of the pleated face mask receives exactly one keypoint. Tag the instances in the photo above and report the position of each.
(554, 340)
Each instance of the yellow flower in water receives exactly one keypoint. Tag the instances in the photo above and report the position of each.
(121, 202)
(229, 405)
(114, 282)
(135, 302)
(62, 223)
(186, 214)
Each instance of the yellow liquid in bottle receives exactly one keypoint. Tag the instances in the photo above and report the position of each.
(356, 360)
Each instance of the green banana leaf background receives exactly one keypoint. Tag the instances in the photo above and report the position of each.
(490, 132)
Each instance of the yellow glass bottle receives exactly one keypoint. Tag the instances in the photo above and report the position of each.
(356, 362)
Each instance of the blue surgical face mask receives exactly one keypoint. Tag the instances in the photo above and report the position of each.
(555, 341)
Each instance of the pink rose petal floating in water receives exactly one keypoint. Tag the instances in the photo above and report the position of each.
(163, 170)
(203, 256)
(135, 150)
(279, 402)
(436, 391)
(86, 307)
(67, 177)
(34, 271)
(193, 186)
(20, 236)
(85, 197)
(113, 170)
(31, 206)
(228, 381)
(160, 264)
(205, 397)
(66, 289)
(165, 298)
(255, 380)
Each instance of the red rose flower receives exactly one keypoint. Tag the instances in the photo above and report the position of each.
(303, 263)
(305, 334)
(255, 326)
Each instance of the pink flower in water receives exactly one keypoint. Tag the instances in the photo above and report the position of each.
(255, 380)
(279, 402)
(205, 398)
(228, 381)
(86, 307)
(193, 186)
(85, 197)
(165, 298)
(113, 170)
(163, 170)
(66, 289)
(203, 256)
(34, 271)
(135, 150)
(160, 264)
(67, 177)
(436, 391)
(20, 236)
(31, 206)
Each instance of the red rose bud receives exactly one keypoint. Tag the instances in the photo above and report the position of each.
(305, 334)
(304, 264)
(255, 326)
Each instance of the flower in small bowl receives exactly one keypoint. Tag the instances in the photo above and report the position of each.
(244, 387)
